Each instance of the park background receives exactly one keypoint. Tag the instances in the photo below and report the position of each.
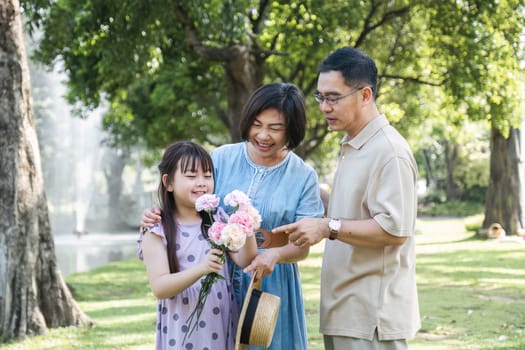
(114, 83)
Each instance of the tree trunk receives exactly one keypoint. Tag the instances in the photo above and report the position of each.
(504, 201)
(242, 64)
(243, 76)
(114, 163)
(33, 295)
(451, 156)
(429, 173)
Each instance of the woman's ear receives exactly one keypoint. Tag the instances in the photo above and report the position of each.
(166, 184)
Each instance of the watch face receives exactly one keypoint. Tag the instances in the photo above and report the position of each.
(334, 225)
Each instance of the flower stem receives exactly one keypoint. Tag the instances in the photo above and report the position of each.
(193, 320)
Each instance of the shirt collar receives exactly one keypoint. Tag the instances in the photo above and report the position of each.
(366, 133)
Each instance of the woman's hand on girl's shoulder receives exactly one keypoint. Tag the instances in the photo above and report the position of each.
(150, 216)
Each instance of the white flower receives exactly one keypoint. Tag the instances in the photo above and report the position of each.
(233, 236)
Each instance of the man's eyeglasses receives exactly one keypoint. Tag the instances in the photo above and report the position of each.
(333, 99)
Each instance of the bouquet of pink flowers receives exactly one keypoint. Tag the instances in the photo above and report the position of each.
(225, 233)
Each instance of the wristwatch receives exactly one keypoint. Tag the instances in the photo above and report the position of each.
(334, 225)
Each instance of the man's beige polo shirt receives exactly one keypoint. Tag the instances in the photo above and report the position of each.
(367, 288)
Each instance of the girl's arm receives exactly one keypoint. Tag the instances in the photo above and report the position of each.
(246, 254)
(165, 284)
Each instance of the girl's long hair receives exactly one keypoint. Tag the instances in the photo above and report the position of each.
(186, 156)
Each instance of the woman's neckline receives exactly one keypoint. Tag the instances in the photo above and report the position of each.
(257, 165)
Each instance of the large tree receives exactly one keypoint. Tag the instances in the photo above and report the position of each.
(484, 41)
(33, 295)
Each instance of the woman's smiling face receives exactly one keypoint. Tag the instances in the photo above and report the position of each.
(268, 137)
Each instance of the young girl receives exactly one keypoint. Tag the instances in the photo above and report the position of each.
(177, 255)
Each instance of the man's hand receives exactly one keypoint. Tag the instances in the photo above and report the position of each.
(305, 232)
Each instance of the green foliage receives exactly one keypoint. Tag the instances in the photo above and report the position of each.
(472, 178)
(132, 54)
(440, 62)
(483, 60)
(462, 153)
(450, 208)
(474, 223)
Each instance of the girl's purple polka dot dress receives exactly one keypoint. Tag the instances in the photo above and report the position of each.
(220, 315)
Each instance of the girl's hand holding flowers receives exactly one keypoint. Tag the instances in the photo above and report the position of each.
(213, 262)
(226, 233)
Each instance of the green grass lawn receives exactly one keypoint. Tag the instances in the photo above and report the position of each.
(471, 292)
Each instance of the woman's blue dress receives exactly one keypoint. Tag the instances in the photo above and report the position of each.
(283, 193)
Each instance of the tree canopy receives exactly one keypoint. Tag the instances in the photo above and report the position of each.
(183, 69)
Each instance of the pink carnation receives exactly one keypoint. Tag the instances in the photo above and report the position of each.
(256, 217)
(243, 218)
(237, 198)
(207, 202)
(215, 231)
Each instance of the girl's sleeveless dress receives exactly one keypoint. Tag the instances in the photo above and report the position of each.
(218, 321)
